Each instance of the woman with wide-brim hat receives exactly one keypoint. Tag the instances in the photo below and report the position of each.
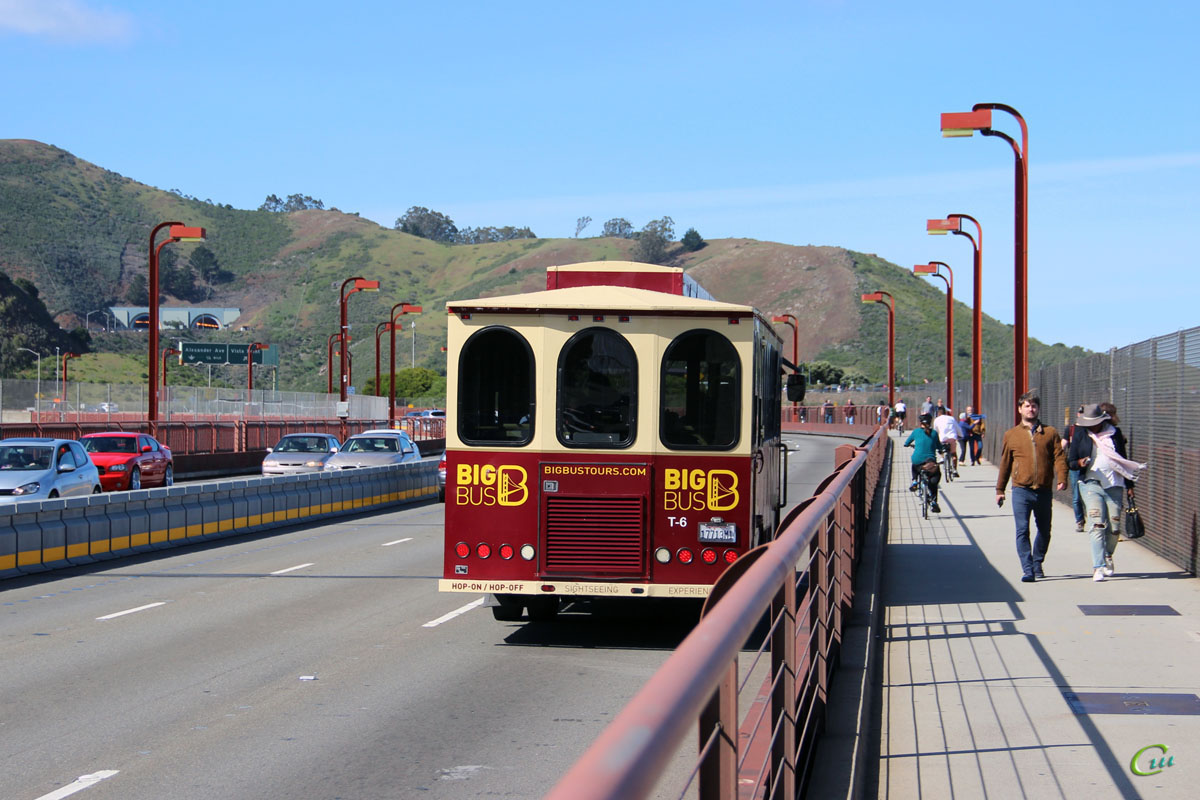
(1098, 452)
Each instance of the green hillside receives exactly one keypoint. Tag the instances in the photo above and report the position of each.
(79, 233)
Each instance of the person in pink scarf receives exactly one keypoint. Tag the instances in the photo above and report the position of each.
(1105, 474)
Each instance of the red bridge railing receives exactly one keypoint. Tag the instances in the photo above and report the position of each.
(804, 581)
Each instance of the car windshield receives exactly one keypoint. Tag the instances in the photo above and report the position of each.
(303, 444)
(25, 457)
(373, 444)
(110, 444)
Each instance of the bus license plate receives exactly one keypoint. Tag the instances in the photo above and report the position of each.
(718, 533)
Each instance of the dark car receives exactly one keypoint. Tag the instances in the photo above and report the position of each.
(129, 461)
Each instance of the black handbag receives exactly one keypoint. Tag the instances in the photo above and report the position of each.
(1131, 524)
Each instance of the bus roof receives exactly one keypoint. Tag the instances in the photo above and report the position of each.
(671, 280)
(610, 299)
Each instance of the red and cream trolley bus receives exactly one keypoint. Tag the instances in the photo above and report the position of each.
(616, 435)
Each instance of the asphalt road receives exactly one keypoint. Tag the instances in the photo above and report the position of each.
(315, 662)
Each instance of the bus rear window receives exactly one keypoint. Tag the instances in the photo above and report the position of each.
(597, 390)
(495, 389)
(701, 387)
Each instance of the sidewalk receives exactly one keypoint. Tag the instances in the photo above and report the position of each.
(997, 688)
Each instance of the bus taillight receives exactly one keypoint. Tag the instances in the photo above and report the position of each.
(462, 549)
(708, 555)
(731, 556)
(506, 551)
(483, 550)
(684, 555)
(662, 555)
(527, 552)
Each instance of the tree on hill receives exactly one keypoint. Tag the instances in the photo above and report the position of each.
(294, 202)
(411, 383)
(138, 293)
(420, 221)
(692, 241)
(618, 227)
(654, 239)
(580, 224)
(489, 234)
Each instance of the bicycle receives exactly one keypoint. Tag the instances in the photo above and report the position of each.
(948, 467)
(924, 495)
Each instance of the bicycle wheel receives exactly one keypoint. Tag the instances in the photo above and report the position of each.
(924, 492)
(948, 468)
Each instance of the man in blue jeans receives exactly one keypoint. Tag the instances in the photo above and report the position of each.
(1032, 454)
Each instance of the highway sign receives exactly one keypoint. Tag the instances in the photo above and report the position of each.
(215, 353)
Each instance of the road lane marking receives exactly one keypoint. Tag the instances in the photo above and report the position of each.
(456, 613)
(291, 569)
(80, 783)
(398, 541)
(130, 611)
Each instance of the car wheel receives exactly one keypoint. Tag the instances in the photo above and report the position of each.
(169, 477)
(53, 494)
(96, 489)
(135, 479)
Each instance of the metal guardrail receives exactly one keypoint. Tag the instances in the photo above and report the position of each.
(804, 581)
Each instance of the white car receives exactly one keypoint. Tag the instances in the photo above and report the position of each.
(374, 449)
(43, 469)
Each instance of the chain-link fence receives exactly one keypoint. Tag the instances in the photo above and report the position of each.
(51, 401)
(1155, 386)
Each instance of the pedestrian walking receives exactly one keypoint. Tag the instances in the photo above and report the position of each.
(927, 407)
(964, 433)
(827, 408)
(978, 422)
(1106, 474)
(849, 411)
(1073, 476)
(1032, 454)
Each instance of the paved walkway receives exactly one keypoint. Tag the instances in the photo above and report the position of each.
(997, 688)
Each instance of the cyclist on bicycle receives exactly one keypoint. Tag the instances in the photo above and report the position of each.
(947, 431)
(898, 414)
(926, 445)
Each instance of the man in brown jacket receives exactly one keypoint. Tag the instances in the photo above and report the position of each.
(1032, 454)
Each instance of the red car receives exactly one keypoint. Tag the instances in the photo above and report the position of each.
(129, 460)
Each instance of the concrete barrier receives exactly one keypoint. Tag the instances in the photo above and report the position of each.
(42, 535)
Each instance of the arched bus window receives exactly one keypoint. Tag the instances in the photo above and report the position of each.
(597, 390)
(495, 389)
(701, 387)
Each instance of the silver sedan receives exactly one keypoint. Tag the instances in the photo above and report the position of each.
(300, 452)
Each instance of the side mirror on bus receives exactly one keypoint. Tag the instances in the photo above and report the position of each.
(795, 387)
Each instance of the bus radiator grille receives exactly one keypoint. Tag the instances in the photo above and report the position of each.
(595, 536)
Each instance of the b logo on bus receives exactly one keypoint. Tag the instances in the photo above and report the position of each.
(491, 485)
(699, 489)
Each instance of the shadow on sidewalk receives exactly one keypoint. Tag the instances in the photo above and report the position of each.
(964, 700)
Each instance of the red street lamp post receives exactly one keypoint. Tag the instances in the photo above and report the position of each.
(359, 285)
(793, 323)
(953, 224)
(333, 337)
(178, 232)
(932, 269)
(402, 308)
(379, 329)
(167, 352)
(979, 118)
(250, 348)
(66, 356)
(877, 297)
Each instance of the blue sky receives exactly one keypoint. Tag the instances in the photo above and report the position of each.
(805, 122)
